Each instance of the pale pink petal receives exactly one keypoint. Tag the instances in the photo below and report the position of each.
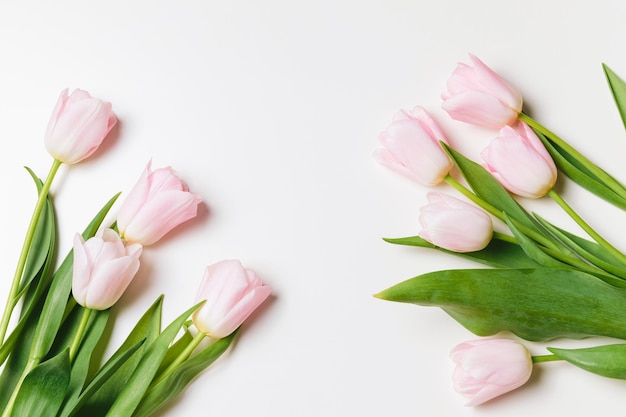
(497, 85)
(479, 108)
(110, 282)
(81, 270)
(241, 311)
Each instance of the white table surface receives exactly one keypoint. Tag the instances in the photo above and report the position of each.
(271, 111)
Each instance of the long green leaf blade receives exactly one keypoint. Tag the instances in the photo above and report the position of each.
(607, 360)
(590, 251)
(133, 392)
(43, 389)
(571, 166)
(101, 397)
(102, 376)
(82, 361)
(533, 251)
(167, 389)
(42, 246)
(535, 304)
(618, 89)
(497, 254)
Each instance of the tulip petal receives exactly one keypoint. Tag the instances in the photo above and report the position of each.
(161, 214)
(238, 314)
(497, 85)
(110, 281)
(479, 108)
(81, 270)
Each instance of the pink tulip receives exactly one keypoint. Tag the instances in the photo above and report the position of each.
(488, 368)
(479, 96)
(78, 125)
(158, 202)
(454, 225)
(232, 293)
(103, 269)
(520, 162)
(411, 147)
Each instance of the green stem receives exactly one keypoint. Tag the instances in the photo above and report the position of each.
(504, 237)
(13, 298)
(184, 355)
(545, 358)
(584, 225)
(598, 172)
(78, 337)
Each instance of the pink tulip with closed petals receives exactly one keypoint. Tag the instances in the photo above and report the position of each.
(411, 147)
(232, 293)
(103, 268)
(453, 224)
(520, 162)
(477, 95)
(158, 202)
(488, 368)
(78, 125)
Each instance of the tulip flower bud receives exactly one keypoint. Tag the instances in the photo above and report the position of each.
(479, 96)
(232, 293)
(454, 225)
(77, 127)
(520, 162)
(488, 368)
(411, 147)
(158, 202)
(103, 269)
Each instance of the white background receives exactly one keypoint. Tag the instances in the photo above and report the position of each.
(271, 111)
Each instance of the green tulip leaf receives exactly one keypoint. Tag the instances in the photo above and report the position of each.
(98, 398)
(168, 388)
(618, 89)
(138, 384)
(38, 263)
(531, 249)
(558, 259)
(578, 170)
(175, 350)
(18, 358)
(43, 389)
(535, 304)
(82, 361)
(75, 404)
(607, 360)
(592, 252)
(42, 245)
(497, 254)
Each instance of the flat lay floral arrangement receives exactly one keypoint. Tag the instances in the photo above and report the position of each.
(540, 282)
(57, 313)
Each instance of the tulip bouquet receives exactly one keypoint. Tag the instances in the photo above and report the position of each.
(541, 282)
(56, 316)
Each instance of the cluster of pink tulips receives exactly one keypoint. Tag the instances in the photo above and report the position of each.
(413, 145)
(104, 264)
(516, 157)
